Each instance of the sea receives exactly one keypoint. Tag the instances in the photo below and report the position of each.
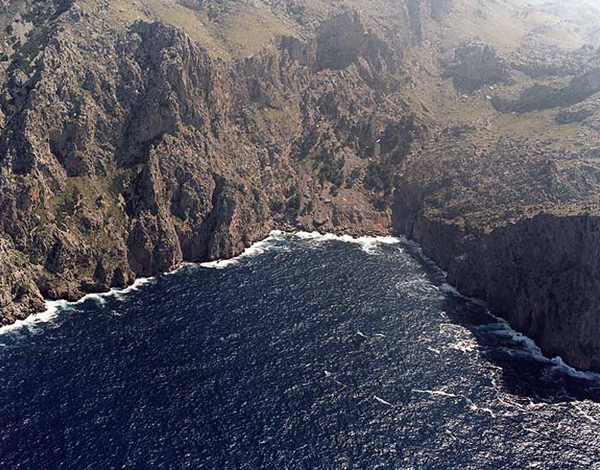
(308, 351)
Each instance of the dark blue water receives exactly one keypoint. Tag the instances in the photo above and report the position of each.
(313, 354)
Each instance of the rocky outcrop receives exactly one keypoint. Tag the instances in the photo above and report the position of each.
(575, 114)
(18, 293)
(419, 12)
(541, 96)
(157, 152)
(475, 65)
(543, 62)
(440, 8)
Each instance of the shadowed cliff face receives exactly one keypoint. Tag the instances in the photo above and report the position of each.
(138, 135)
(541, 274)
(527, 243)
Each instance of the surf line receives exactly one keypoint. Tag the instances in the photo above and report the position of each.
(54, 307)
(529, 345)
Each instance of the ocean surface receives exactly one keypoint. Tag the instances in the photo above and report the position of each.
(307, 352)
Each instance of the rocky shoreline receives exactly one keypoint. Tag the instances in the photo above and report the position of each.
(540, 274)
(135, 137)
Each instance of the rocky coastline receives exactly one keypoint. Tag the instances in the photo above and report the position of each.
(135, 138)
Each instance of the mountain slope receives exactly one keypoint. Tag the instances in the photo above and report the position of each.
(136, 135)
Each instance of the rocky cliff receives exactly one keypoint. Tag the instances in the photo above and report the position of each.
(137, 135)
(124, 154)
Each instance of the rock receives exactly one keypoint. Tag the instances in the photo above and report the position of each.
(543, 96)
(476, 65)
(569, 116)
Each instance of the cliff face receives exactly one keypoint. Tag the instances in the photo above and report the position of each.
(136, 135)
(541, 274)
(124, 154)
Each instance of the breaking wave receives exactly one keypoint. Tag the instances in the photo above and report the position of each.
(377, 344)
(54, 307)
(368, 244)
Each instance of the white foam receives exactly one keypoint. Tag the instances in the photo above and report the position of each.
(419, 282)
(135, 286)
(560, 365)
(382, 401)
(584, 413)
(503, 328)
(368, 244)
(120, 293)
(472, 406)
(464, 346)
(53, 307)
(219, 264)
(532, 350)
(462, 339)
(255, 249)
(485, 410)
(450, 289)
(438, 393)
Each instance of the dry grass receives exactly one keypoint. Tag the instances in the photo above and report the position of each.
(537, 125)
(122, 13)
(485, 21)
(241, 33)
(248, 30)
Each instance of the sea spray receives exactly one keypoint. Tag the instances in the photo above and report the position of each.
(54, 307)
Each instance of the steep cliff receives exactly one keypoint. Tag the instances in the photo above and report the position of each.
(539, 273)
(124, 154)
(137, 135)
